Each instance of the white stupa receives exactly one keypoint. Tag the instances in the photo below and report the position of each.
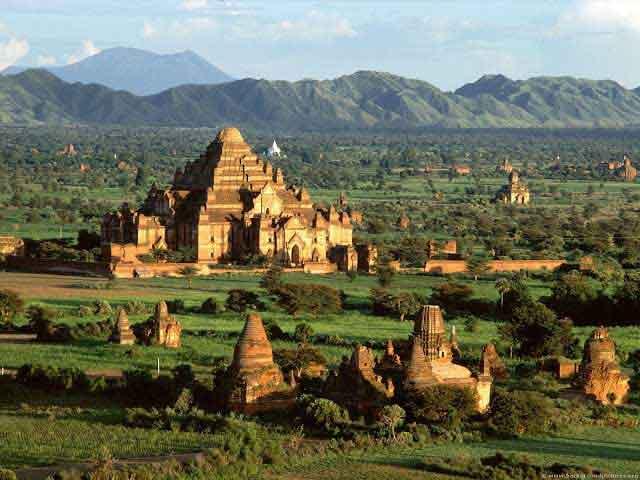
(274, 150)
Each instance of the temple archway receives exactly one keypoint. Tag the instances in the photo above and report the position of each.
(295, 255)
(315, 256)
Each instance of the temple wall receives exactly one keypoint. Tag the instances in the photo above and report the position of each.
(37, 265)
(460, 266)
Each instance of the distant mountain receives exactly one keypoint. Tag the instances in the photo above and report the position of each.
(358, 101)
(138, 71)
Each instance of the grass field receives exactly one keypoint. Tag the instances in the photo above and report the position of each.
(44, 431)
(356, 323)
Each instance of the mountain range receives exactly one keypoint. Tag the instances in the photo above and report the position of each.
(137, 71)
(359, 101)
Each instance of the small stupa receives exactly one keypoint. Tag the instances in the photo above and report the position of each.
(491, 364)
(166, 329)
(122, 333)
(254, 382)
(600, 374)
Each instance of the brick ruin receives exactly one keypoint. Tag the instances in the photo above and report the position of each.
(515, 192)
(253, 382)
(600, 375)
(364, 384)
(122, 333)
(491, 363)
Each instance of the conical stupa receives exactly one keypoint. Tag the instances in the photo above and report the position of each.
(253, 349)
(122, 333)
(254, 382)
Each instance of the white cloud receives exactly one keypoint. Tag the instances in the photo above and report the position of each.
(314, 25)
(194, 4)
(88, 49)
(600, 16)
(11, 51)
(178, 28)
(45, 60)
(149, 30)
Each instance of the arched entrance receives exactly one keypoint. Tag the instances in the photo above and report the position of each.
(315, 256)
(295, 255)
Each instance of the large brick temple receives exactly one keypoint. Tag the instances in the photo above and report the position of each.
(227, 205)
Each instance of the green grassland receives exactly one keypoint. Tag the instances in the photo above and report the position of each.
(38, 431)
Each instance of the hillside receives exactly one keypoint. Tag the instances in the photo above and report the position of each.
(138, 71)
(361, 100)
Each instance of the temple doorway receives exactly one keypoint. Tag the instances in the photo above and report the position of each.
(295, 255)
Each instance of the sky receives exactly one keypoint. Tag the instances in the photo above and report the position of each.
(445, 42)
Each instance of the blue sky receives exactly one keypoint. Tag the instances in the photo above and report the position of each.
(445, 42)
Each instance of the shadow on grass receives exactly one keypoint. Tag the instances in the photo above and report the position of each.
(569, 446)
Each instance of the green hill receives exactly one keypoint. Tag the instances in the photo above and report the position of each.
(361, 100)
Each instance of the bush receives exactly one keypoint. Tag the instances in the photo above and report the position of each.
(442, 405)
(520, 412)
(311, 298)
(273, 330)
(136, 307)
(272, 279)
(52, 379)
(398, 305)
(240, 301)
(102, 308)
(11, 305)
(176, 306)
(209, 306)
(7, 474)
(390, 418)
(303, 333)
(323, 415)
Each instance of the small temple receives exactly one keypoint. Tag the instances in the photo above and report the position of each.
(600, 375)
(254, 382)
(274, 150)
(364, 384)
(431, 360)
(491, 363)
(166, 330)
(515, 193)
(122, 333)
(228, 205)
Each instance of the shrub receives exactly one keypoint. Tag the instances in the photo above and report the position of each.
(7, 474)
(102, 308)
(385, 275)
(240, 301)
(11, 305)
(323, 415)
(442, 405)
(209, 306)
(176, 306)
(303, 333)
(311, 298)
(272, 279)
(520, 412)
(273, 330)
(136, 307)
(390, 418)
(298, 359)
(395, 304)
(452, 296)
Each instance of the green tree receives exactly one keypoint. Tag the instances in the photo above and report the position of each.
(478, 265)
(391, 417)
(11, 305)
(188, 273)
(385, 275)
(536, 331)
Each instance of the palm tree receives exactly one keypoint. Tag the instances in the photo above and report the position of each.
(188, 273)
(503, 285)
